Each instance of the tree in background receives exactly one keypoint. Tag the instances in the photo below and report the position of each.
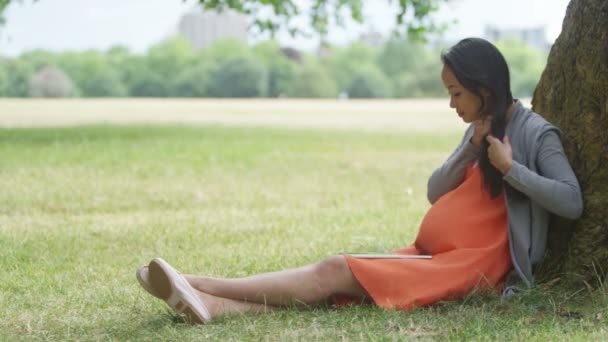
(3, 79)
(526, 65)
(344, 62)
(313, 81)
(51, 81)
(173, 68)
(412, 67)
(118, 72)
(155, 74)
(221, 50)
(193, 81)
(400, 55)
(149, 84)
(234, 70)
(369, 81)
(281, 70)
(127, 66)
(18, 74)
(170, 57)
(240, 76)
(38, 59)
(92, 73)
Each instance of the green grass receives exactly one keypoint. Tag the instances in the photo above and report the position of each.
(81, 208)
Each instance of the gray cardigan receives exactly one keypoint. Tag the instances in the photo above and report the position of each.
(540, 182)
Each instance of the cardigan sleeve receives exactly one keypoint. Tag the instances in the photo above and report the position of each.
(451, 173)
(555, 186)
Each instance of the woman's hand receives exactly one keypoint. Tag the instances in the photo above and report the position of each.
(482, 129)
(500, 153)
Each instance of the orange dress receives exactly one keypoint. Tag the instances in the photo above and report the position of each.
(466, 233)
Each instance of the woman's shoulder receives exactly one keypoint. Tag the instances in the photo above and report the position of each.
(527, 132)
(530, 123)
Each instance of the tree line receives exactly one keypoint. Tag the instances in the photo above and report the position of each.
(172, 68)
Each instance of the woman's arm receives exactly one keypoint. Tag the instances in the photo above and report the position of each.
(451, 173)
(555, 186)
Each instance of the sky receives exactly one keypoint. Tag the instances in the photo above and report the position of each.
(77, 25)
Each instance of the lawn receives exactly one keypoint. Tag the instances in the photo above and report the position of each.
(82, 207)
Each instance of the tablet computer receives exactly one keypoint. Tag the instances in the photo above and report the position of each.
(386, 256)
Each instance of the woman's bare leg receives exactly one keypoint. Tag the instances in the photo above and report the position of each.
(310, 284)
(218, 306)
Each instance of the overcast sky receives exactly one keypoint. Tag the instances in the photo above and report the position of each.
(60, 25)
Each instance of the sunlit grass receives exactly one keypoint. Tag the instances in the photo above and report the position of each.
(81, 208)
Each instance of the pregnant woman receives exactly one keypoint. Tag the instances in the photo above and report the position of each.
(491, 203)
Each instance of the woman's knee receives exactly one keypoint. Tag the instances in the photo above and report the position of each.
(333, 271)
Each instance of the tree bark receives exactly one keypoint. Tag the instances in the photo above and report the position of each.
(573, 95)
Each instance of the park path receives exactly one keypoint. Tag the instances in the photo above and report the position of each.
(423, 115)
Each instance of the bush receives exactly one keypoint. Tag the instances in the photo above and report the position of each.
(526, 64)
(345, 62)
(104, 83)
(281, 70)
(3, 81)
(400, 56)
(193, 82)
(93, 75)
(51, 82)
(280, 75)
(170, 57)
(369, 82)
(313, 81)
(238, 77)
(426, 82)
(18, 75)
(149, 85)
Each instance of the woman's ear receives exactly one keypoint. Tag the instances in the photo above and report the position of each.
(484, 92)
(486, 103)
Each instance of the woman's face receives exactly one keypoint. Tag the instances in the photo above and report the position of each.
(466, 103)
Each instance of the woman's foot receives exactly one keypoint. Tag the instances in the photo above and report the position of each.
(143, 277)
(178, 291)
(169, 285)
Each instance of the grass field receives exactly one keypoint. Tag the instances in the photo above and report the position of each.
(82, 207)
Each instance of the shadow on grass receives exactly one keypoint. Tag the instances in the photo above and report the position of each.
(556, 313)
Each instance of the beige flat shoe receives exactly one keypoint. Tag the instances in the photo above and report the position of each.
(142, 276)
(174, 289)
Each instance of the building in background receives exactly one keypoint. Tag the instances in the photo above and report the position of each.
(202, 28)
(536, 37)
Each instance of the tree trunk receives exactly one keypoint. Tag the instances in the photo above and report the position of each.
(573, 94)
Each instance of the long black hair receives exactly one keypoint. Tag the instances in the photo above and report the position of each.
(478, 65)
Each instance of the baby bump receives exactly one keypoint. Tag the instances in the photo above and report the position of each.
(464, 218)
